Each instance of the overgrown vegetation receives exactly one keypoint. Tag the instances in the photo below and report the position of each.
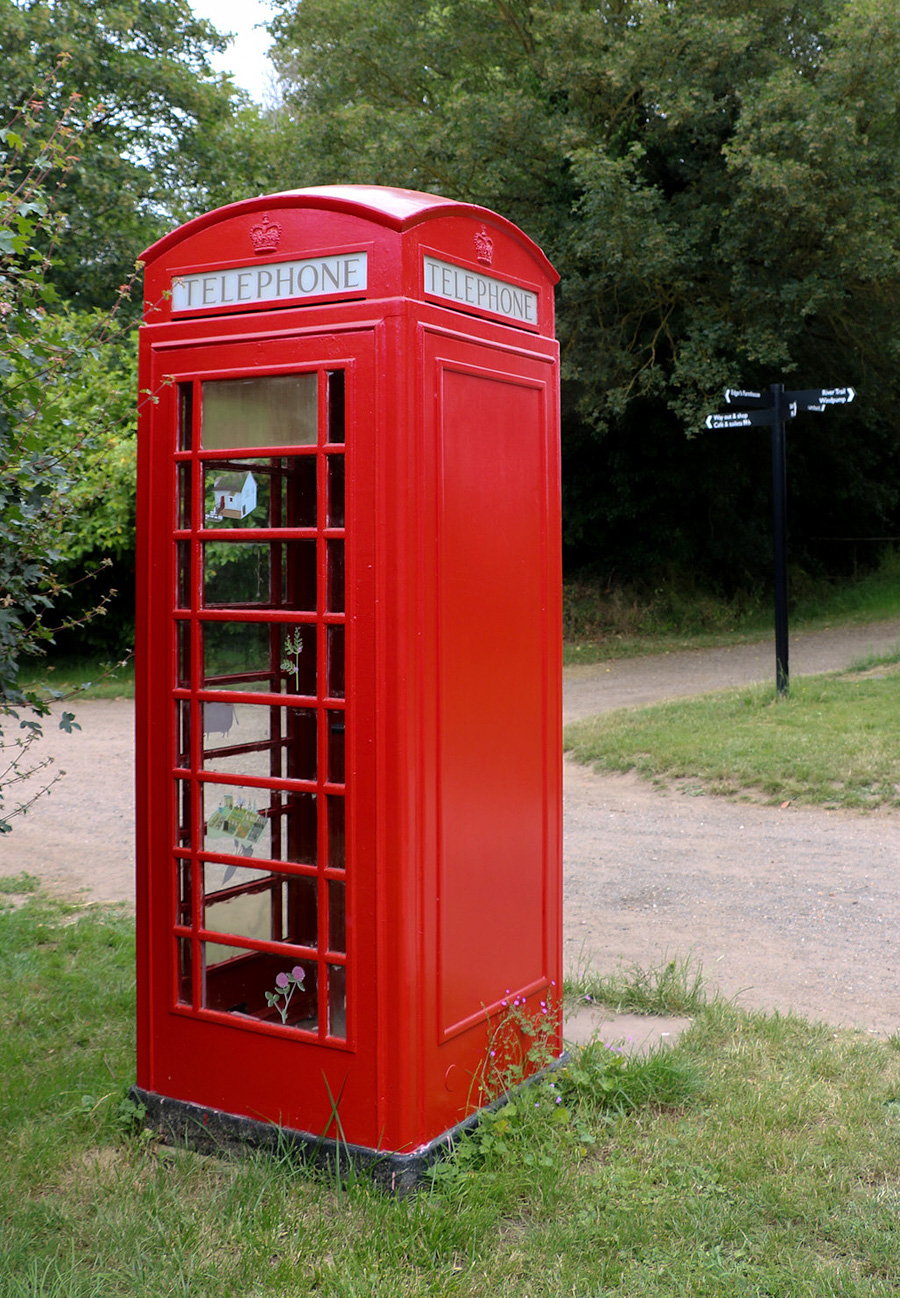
(676, 987)
(605, 620)
(759, 1155)
(831, 742)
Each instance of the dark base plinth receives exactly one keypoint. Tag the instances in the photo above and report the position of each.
(210, 1131)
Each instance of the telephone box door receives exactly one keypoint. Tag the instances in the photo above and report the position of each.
(259, 874)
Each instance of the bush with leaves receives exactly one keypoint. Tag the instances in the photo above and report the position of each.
(38, 360)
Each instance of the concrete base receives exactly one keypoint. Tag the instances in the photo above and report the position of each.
(210, 1131)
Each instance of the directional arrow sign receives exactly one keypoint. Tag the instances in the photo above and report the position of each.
(741, 397)
(817, 399)
(740, 419)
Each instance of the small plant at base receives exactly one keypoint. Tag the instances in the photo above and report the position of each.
(520, 1043)
(285, 986)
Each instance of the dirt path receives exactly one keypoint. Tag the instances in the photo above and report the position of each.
(793, 909)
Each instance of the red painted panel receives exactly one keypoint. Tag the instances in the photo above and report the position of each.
(492, 680)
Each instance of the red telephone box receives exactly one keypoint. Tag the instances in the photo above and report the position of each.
(348, 702)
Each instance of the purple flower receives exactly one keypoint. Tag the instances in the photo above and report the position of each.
(282, 981)
(297, 973)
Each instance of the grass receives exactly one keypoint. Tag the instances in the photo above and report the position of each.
(832, 742)
(760, 1155)
(86, 678)
(676, 987)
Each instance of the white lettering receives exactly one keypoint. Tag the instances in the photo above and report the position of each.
(332, 273)
(307, 284)
(471, 288)
(315, 277)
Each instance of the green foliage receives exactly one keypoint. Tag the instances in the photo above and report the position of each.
(719, 186)
(40, 446)
(88, 413)
(143, 85)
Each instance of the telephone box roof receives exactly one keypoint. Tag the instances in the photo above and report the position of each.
(397, 209)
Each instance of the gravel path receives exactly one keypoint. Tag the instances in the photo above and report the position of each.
(793, 908)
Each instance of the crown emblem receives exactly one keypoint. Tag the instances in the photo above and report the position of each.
(484, 247)
(266, 236)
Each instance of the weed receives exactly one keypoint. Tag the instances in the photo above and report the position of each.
(603, 1078)
(675, 987)
(15, 885)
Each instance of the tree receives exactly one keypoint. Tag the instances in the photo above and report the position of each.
(141, 71)
(719, 185)
(35, 466)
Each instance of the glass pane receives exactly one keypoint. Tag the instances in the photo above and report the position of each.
(239, 656)
(336, 662)
(259, 656)
(303, 912)
(335, 491)
(337, 1001)
(336, 406)
(301, 491)
(336, 844)
(183, 574)
(336, 747)
(337, 940)
(267, 907)
(182, 732)
(260, 492)
(241, 573)
(184, 831)
(185, 970)
(299, 828)
(183, 650)
(185, 415)
(184, 495)
(279, 410)
(184, 909)
(237, 820)
(335, 576)
(240, 739)
(236, 981)
(268, 824)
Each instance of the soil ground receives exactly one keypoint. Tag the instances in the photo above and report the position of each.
(785, 908)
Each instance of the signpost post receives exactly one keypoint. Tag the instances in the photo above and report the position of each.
(773, 409)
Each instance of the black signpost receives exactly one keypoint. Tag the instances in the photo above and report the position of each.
(774, 408)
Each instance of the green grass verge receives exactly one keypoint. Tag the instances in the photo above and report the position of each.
(831, 742)
(677, 987)
(758, 1156)
(82, 678)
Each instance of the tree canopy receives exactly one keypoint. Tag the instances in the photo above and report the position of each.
(718, 183)
(148, 108)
